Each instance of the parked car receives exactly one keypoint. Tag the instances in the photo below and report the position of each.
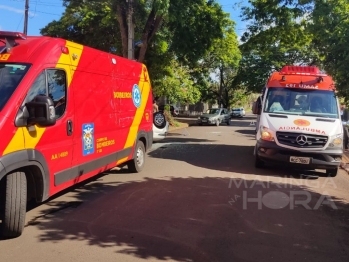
(215, 116)
(237, 112)
(160, 126)
(173, 109)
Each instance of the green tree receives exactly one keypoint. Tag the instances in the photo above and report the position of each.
(177, 85)
(330, 28)
(89, 23)
(220, 63)
(277, 35)
(191, 25)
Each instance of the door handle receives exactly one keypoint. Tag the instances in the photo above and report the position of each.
(69, 128)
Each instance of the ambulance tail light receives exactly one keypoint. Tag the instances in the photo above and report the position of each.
(65, 50)
(12, 35)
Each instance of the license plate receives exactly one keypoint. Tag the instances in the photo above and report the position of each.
(300, 160)
(204, 120)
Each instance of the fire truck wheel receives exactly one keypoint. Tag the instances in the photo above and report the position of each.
(136, 165)
(159, 120)
(14, 204)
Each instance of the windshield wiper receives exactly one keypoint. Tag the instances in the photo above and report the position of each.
(325, 120)
(310, 114)
(280, 115)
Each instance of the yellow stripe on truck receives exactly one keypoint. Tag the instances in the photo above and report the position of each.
(75, 52)
(132, 135)
(32, 138)
(16, 143)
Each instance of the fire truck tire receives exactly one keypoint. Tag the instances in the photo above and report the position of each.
(136, 165)
(15, 204)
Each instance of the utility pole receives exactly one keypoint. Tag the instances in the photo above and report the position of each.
(26, 17)
(130, 49)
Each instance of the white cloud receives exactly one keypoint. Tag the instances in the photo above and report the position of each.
(15, 10)
(9, 8)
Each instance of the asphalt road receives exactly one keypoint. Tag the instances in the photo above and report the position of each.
(199, 198)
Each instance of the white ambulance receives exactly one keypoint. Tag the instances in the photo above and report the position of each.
(300, 124)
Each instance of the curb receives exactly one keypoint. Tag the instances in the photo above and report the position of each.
(173, 128)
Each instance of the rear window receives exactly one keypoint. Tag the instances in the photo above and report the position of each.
(10, 77)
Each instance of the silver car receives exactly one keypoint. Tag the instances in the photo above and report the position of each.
(214, 116)
(237, 112)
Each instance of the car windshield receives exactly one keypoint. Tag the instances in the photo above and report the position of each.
(10, 77)
(236, 109)
(213, 111)
(292, 101)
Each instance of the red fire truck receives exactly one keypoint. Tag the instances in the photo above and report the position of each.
(67, 113)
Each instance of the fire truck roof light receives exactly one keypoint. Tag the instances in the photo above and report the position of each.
(301, 70)
(13, 35)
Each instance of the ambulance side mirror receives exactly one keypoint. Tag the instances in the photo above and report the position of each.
(259, 111)
(41, 111)
(256, 108)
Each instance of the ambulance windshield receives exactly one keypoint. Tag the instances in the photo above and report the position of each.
(10, 77)
(293, 101)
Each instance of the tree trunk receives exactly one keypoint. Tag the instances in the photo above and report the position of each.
(151, 27)
(121, 16)
(221, 85)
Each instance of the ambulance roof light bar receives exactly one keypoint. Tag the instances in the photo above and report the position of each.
(10, 40)
(301, 70)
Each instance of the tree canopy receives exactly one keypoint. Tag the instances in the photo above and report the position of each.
(302, 32)
(195, 41)
(171, 32)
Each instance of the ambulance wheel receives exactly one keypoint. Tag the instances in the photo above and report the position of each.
(14, 204)
(332, 172)
(159, 120)
(136, 165)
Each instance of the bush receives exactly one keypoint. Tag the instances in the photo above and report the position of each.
(169, 118)
(167, 108)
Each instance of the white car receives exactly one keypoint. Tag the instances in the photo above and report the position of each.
(160, 127)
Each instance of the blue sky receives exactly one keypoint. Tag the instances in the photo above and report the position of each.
(42, 12)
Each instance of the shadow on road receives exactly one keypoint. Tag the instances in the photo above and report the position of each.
(251, 133)
(201, 219)
(182, 139)
(229, 158)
